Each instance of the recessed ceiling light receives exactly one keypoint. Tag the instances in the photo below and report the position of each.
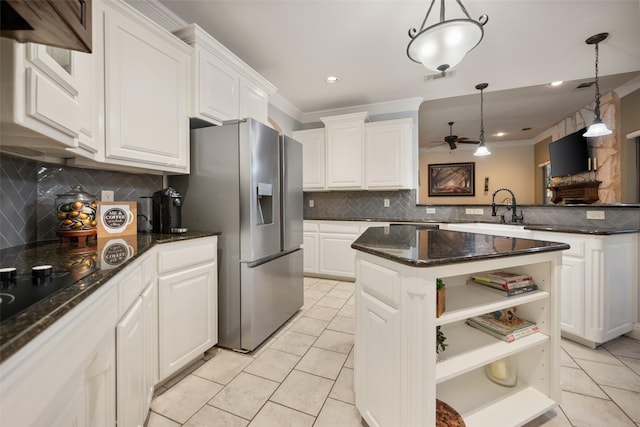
(558, 83)
(500, 134)
(332, 79)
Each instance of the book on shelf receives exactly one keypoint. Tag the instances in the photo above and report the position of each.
(506, 330)
(506, 279)
(505, 292)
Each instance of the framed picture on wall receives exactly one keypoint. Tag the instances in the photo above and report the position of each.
(452, 179)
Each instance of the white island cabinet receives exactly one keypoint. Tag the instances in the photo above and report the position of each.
(398, 373)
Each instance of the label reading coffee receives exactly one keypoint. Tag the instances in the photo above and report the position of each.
(115, 218)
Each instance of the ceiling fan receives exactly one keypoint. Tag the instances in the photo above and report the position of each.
(452, 139)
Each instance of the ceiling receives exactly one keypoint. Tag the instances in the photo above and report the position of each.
(296, 44)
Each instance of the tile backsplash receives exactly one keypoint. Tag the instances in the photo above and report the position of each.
(28, 192)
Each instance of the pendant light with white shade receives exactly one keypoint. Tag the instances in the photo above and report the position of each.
(443, 45)
(597, 128)
(482, 149)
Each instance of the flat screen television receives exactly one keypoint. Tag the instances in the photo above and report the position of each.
(569, 155)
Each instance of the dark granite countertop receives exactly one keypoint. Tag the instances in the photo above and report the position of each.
(85, 263)
(557, 228)
(425, 247)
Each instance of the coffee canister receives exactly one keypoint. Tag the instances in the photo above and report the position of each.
(76, 213)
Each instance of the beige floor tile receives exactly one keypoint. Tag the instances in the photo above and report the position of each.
(343, 388)
(586, 411)
(273, 365)
(309, 326)
(156, 420)
(611, 375)
(274, 415)
(335, 341)
(566, 360)
(322, 286)
(245, 395)
(343, 324)
(351, 301)
(552, 418)
(185, 398)
(209, 416)
(294, 343)
(632, 363)
(303, 392)
(223, 367)
(345, 286)
(331, 302)
(308, 303)
(349, 362)
(328, 281)
(321, 362)
(311, 294)
(624, 346)
(348, 310)
(577, 381)
(577, 351)
(629, 401)
(337, 293)
(310, 280)
(321, 313)
(183, 373)
(335, 413)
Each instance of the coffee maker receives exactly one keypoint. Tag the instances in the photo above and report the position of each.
(167, 211)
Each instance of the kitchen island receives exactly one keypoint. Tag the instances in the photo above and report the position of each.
(398, 373)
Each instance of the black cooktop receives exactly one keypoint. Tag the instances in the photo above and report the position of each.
(20, 291)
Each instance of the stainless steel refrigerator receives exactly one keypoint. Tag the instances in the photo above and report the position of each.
(246, 182)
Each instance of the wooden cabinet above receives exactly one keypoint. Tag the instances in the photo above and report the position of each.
(60, 23)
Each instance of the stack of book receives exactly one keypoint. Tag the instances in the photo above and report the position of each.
(506, 330)
(508, 284)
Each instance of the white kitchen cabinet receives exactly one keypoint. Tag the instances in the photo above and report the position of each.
(187, 302)
(600, 276)
(131, 370)
(145, 109)
(399, 375)
(313, 158)
(48, 102)
(310, 246)
(150, 322)
(329, 243)
(344, 141)
(388, 154)
(67, 374)
(222, 86)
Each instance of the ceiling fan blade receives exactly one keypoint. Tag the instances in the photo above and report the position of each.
(468, 142)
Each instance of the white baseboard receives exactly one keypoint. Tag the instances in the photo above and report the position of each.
(635, 333)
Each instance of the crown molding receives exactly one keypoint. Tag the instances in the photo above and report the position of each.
(400, 105)
(283, 104)
(158, 13)
(630, 86)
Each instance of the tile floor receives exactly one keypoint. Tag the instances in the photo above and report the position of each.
(303, 376)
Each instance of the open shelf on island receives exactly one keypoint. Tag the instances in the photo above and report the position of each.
(469, 300)
(469, 348)
(483, 403)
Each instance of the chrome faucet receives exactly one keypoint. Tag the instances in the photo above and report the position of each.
(513, 207)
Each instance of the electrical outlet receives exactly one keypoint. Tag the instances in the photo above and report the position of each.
(469, 211)
(431, 210)
(595, 214)
(479, 211)
(106, 195)
(311, 204)
(386, 203)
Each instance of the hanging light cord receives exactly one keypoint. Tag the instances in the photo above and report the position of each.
(481, 117)
(597, 86)
(464, 9)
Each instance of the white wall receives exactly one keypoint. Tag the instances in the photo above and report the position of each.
(510, 167)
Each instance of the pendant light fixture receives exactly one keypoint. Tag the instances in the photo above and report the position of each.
(443, 45)
(482, 149)
(597, 128)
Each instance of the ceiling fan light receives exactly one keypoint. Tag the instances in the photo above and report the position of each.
(597, 128)
(444, 45)
(482, 150)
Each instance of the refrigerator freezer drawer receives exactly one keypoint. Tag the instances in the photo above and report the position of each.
(270, 293)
